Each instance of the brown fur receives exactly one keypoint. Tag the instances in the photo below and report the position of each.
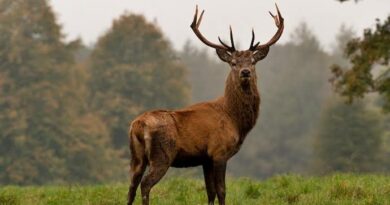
(206, 134)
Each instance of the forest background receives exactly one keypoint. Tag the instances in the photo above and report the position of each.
(65, 106)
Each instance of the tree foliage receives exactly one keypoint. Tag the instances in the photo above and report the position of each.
(349, 139)
(368, 55)
(65, 107)
(133, 69)
(206, 74)
(47, 133)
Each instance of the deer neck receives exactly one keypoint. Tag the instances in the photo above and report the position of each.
(242, 104)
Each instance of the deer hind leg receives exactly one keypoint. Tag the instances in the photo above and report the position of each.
(137, 166)
(154, 175)
(208, 173)
(159, 154)
(138, 170)
(219, 180)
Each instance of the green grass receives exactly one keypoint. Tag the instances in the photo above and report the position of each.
(343, 189)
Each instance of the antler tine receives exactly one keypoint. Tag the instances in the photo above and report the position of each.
(224, 44)
(229, 48)
(279, 22)
(231, 39)
(278, 11)
(253, 39)
(253, 47)
(194, 24)
(195, 27)
(200, 19)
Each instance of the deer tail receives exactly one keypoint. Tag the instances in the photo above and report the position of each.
(137, 144)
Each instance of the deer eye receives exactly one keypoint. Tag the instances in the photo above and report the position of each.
(233, 63)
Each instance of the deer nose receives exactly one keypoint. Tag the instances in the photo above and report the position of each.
(245, 73)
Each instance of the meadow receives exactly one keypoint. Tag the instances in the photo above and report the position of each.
(345, 189)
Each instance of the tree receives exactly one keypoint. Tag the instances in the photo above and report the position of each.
(206, 75)
(348, 139)
(46, 128)
(386, 143)
(134, 69)
(366, 55)
(344, 35)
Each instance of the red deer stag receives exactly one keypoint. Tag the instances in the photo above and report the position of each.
(206, 134)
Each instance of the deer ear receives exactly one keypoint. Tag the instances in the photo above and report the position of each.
(261, 54)
(224, 55)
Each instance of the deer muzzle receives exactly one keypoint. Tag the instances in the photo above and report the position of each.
(245, 73)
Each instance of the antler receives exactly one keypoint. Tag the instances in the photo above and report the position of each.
(195, 27)
(279, 22)
(253, 47)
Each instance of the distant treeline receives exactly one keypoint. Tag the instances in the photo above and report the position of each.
(65, 107)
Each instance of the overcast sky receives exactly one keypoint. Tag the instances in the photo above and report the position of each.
(89, 19)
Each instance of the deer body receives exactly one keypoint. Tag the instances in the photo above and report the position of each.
(202, 131)
(205, 134)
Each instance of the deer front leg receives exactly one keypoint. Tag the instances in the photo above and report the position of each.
(219, 180)
(208, 173)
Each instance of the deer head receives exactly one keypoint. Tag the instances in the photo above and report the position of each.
(242, 63)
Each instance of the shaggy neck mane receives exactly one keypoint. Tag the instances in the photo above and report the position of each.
(242, 104)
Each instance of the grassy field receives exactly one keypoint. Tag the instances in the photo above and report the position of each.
(289, 189)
